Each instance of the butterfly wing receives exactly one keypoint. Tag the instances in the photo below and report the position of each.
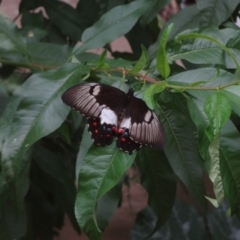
(101, 105)
(143, 127)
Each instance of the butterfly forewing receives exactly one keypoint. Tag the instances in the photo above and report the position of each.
(111, 112)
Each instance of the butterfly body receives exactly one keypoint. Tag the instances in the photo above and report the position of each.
(112, 113)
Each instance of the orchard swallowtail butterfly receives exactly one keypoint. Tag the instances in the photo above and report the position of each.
(112, 113)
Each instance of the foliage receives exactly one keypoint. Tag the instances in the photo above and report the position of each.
(44, 146)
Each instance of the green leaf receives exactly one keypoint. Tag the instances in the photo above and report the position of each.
(112, 25)
(13, 45)
(65, 18)
(101, 170)
(207, 46)
(153, 11)
(48, 55)
(218, 110)
(201, 121)
(215, 12)
(213, 39)
(187, 18)
(150, 91)
(214, 169)
(159, 180)
(181, 146)
(84, 147)
(101, 61)
(162, 61)
(233, 95)
(210, 77)
(140, 64)
(38, 101)
(13, 40)
(230, 165)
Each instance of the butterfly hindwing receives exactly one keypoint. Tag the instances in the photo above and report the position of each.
(101, 133)
(126, 144)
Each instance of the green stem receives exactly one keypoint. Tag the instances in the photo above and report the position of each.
(201, 88)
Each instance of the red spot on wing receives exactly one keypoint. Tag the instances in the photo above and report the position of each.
(95, 124)
(108, 135)
(123, 139)
(114, 129)
(96, 131)
(120, 130)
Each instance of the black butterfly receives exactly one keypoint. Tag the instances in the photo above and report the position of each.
(112, 113)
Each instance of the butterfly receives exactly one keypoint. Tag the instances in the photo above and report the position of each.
(111, 113)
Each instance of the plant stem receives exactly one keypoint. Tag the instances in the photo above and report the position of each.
(155, 80)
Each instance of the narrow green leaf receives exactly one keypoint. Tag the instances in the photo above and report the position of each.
(207, 81)
(153, 11)
(150, 91)
(215, 38)
(202, 51)
(112, 25)
(213, 201)
(214, 170)
(210, 77)
(162, 61)
(140, 64)
(101, 61)
(84, 147)
(65, 18)
(48, 54)
(101, 170)
(233, 95)
(201, 121)
(13, 39)
(218, 110)
(181, 146)
(40, 97)
(215, 12)
(230, 165)
(187, 18)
